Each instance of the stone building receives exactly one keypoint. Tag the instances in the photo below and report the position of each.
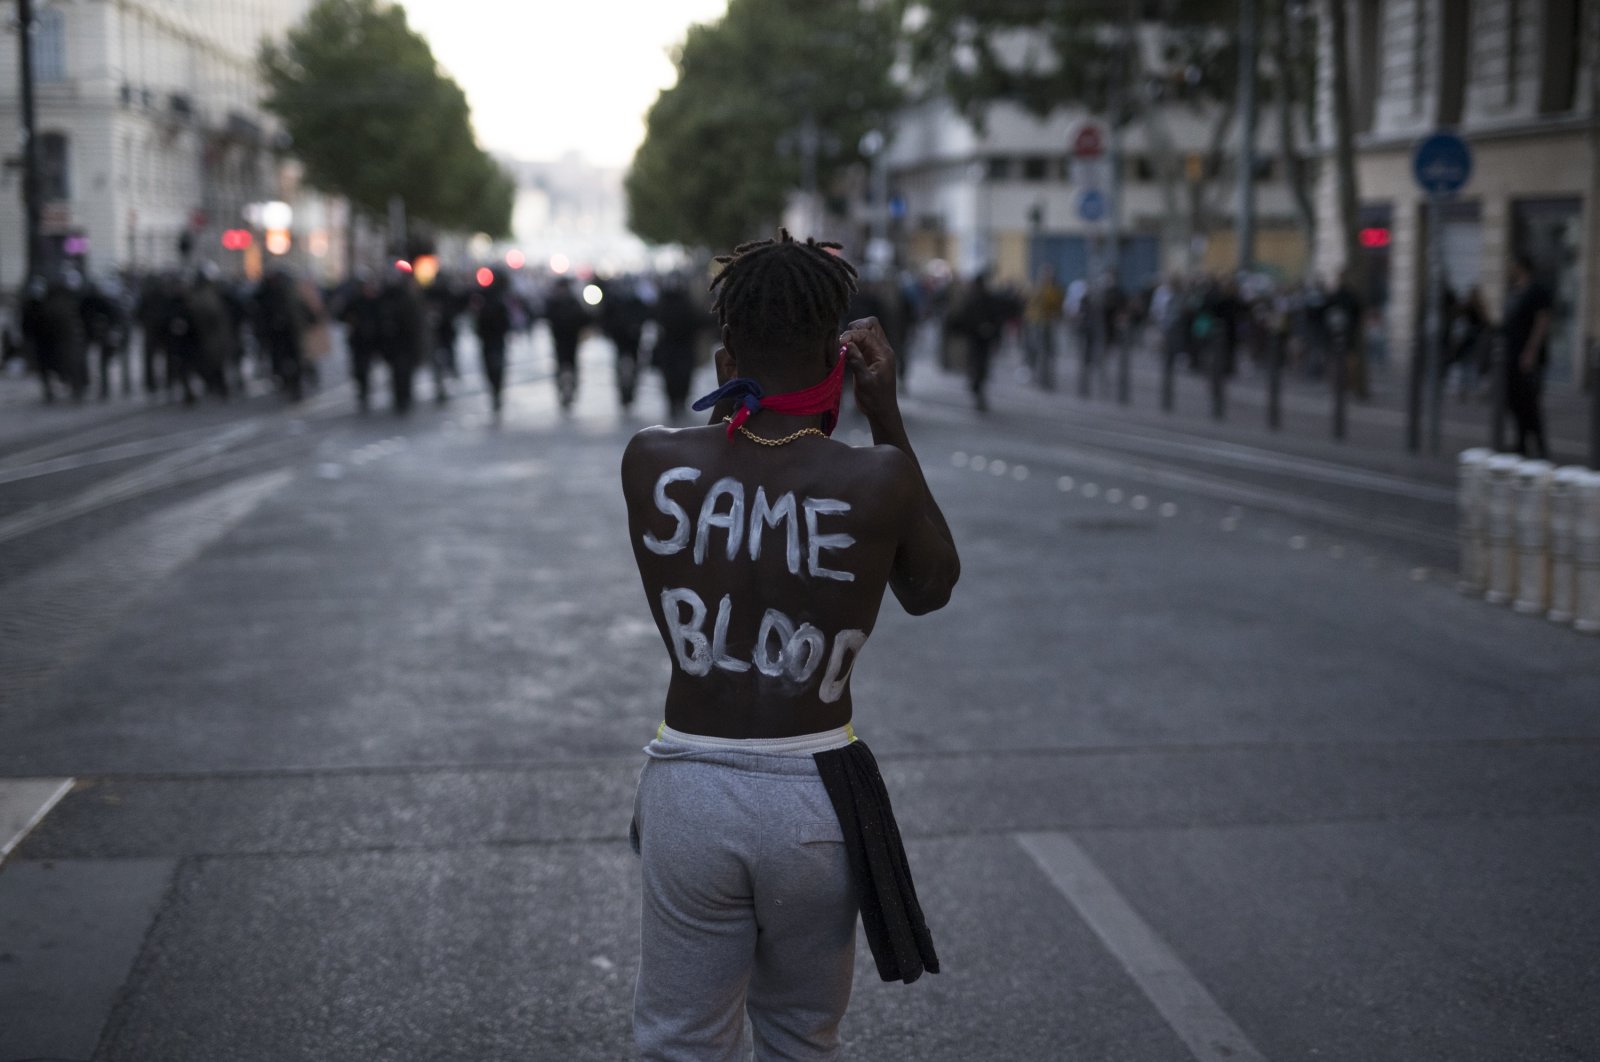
(1009, 196)
(149, 130)
(1519, 80)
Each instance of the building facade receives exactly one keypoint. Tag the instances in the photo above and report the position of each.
(1011, 193)
(150, 133)
(1519, 80)
(1011, 197)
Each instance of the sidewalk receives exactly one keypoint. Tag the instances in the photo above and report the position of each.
(1376, 427)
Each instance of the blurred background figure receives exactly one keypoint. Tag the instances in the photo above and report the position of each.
(405, 335)
(52, 327)
(445, 306)
(282, 317)
(492, 320)
(1526, 329)
(567, 317)
(1043, 316)
(105, 328)
(679, 322)
(979, 318)
(362, 314)
(623, 315)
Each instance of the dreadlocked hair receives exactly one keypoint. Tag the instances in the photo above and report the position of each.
(783, 296)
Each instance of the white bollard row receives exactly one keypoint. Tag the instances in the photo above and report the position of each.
(1530, 536)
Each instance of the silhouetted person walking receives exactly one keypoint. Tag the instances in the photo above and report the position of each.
(679, 322)
(493, 324)
(1527, 332)
(566, 317)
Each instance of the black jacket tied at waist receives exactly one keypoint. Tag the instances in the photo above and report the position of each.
(899, 938)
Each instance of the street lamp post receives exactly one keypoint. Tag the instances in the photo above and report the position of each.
(30, 144)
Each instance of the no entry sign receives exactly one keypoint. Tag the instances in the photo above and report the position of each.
(1089, 140)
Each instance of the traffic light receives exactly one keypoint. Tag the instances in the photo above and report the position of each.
(237, 239)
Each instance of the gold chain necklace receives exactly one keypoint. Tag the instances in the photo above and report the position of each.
(791, 437)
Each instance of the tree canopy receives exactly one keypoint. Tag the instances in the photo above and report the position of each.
(768, 90)
(1044, 54)
(372, 116)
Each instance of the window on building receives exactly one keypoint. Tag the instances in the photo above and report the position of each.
(1141, 168)
(1513, 49)
(55, 175)
(1421, 41)
(1453, 50)
(997, 168)
(50, 46)
(1036, 168)
(1560, 32)
(1367, 63)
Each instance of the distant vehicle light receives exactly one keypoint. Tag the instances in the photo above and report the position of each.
(485, 277)
(402, 265)
(515, 259)
(559, 263)
(592, 294)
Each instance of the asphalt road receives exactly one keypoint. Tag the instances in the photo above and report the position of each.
(333, 723)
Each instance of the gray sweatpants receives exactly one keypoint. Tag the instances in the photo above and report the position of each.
(748, 906)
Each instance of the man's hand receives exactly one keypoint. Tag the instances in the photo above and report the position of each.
(871, 362)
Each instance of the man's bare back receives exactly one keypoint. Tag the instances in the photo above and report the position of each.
(765, 566)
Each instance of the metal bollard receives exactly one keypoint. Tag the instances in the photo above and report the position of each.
(1500, 559)
(1533, 536)
(1586, 553)
(1472, 519)
(1564, 486)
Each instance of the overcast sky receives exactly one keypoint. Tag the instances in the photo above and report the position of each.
(549, 76)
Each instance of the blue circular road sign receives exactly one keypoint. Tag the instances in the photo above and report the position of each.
(1092, 205)
(1442, 164)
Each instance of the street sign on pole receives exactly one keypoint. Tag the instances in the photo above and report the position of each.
(1442, 165)
(1092, 205)
(1088, 140)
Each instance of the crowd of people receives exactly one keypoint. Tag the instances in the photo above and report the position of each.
(196, 333)
(1218, 323)
(185, 335)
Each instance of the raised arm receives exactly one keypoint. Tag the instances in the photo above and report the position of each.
(926, 565)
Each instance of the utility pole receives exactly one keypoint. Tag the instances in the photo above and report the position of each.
(30, 143)
(1244, 226)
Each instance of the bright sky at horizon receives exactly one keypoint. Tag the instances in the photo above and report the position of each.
(546, 77)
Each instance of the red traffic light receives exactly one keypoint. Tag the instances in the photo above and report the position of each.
(1374, 237)
(237, 239)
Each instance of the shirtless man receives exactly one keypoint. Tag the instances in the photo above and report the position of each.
(765, 547)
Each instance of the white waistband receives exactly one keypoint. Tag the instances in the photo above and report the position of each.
(799, 743)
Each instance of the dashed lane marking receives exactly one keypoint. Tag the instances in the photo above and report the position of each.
(1177, 995)
(24, 802)
(1226, 490)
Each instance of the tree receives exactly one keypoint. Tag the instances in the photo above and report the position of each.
(1130, 61)
(1344, 152)
(372, 117)
(772, 98)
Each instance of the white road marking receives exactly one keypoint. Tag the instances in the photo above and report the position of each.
(24, 802)
(1183, 1001)
(1229, 490)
